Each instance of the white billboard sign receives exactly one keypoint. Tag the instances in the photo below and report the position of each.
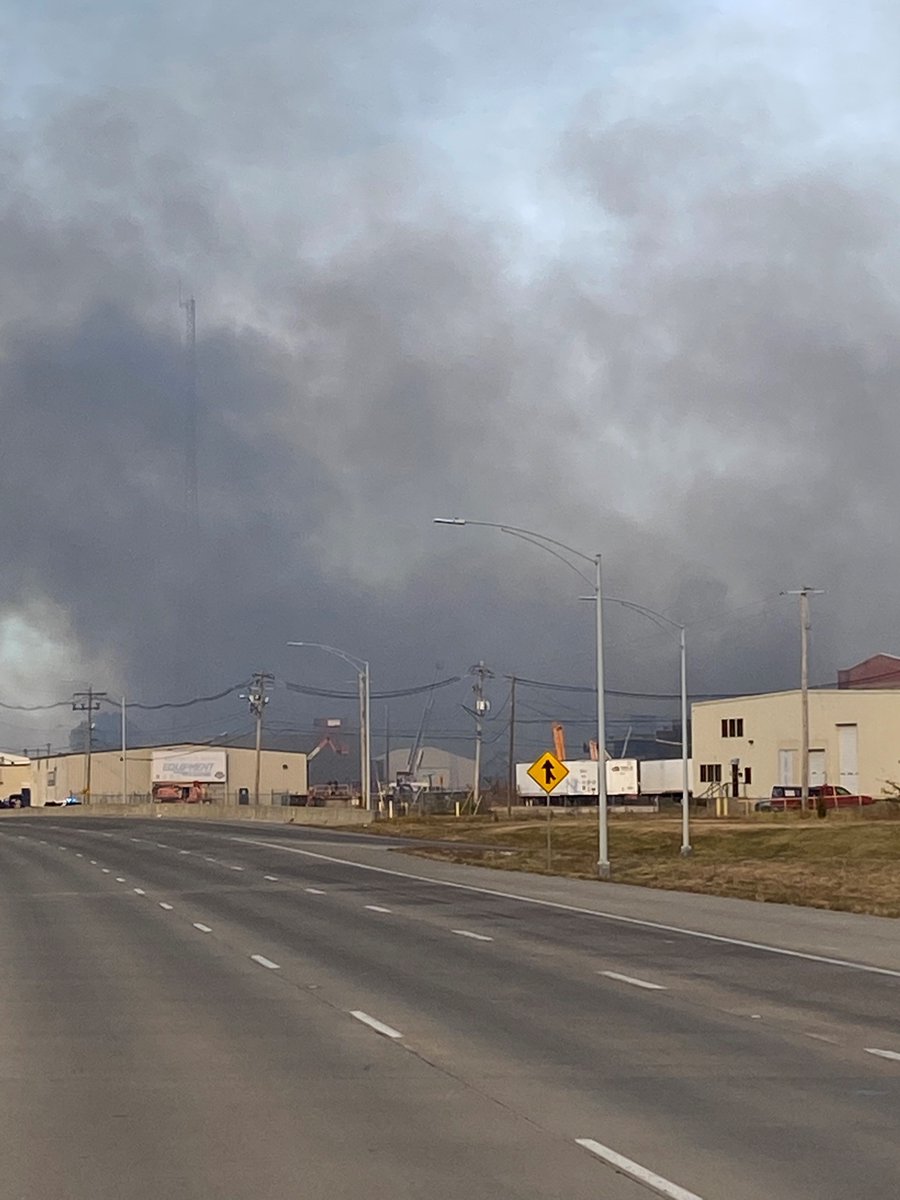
(189, 766)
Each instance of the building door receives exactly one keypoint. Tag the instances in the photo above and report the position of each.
(787, 768)
(848, 757)
(816, 768)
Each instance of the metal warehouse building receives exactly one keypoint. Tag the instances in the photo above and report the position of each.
(854, 742)
(187, 773)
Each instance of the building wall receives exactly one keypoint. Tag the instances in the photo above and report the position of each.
(55, 777)
(447, 771)
(15, 773)
(879, 671)
(770, 736)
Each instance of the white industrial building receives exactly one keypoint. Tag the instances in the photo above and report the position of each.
(439, 770)
(747, 745)
(15, 773)
(188, 773)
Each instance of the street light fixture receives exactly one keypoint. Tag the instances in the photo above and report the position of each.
(554, 547)
(658, 618)
(365, 733)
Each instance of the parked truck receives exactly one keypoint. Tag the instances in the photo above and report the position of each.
(629, 782)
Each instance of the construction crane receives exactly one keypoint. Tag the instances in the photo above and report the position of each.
(559, 742)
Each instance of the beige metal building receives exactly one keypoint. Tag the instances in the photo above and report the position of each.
(854, 742)
(15, 773)
(172, 773)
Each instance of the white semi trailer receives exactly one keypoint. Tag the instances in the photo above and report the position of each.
(628, 781)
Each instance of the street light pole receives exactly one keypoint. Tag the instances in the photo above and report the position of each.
(554, 547)
(361, 667)
(603, 867)
(658, 618)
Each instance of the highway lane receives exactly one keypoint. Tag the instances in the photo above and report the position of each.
(811, 995)
(145, 1057)
(726, 1105)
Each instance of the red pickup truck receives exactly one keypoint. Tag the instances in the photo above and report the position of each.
(833, 797)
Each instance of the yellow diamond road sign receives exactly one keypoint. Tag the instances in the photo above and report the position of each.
(548, 772)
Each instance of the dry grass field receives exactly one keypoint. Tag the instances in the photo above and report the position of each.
(844, 862)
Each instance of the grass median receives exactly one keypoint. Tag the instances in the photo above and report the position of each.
(845, 862)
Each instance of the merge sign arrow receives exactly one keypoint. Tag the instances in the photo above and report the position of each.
(548, 772)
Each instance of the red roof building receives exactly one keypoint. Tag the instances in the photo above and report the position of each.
(879, 671)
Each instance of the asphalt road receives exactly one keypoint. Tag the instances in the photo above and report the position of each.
(197, 1011)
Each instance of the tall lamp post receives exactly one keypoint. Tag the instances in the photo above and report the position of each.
(661, 619)
(365, 733)
(559, 550)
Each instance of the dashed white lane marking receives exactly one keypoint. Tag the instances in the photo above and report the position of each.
(649, 1178)
(140, 892)
(206, 858)
(62, 847)
(271, 878)
(265, 962)
(120, 879)
(641, 983)
(163, 845)
(202, 928)
(135, 839)
(43, 841)
(638, 922)
(821, 1037)
(167, 907)
(377, 908)
(93, 862)
(477, 937)
(78, 855)
(378, 1026)
(891, 1054)
(184, 851)
(106, 870)
(235, 868)
(315, 891)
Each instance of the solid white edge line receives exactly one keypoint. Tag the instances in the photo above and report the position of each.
(379, 908)
(891, 1054)
(265, 962)
(641, 983)
(639, 922)
(378, 1026)
(650, 1179)
(167, 907)
(140, 892)
(477, 937)
(202, 928)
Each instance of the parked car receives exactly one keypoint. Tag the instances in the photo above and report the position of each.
(783, 798)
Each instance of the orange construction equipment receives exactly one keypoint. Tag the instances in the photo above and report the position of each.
(559, 742)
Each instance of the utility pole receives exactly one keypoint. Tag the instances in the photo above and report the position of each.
(88, 702)
(124, 753)
(482, 705)
(804, 593)
(257, 699)
(388, 780)
(511, 778)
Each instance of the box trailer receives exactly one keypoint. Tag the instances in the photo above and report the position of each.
(621, 780)
(628, 782)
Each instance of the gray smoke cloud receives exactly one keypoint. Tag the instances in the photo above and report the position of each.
(624, 280)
